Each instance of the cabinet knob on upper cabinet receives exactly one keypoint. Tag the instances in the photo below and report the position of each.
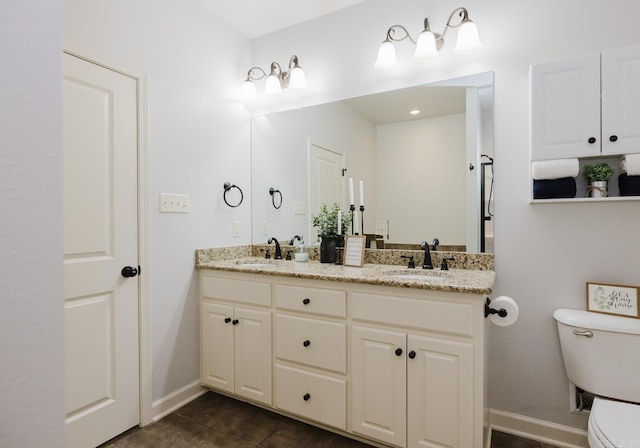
(306, 397)
(613, 138)
(592, 140)
(307, 343)
(235, 322)
(412, 354)
(398, 352)
(227, 320)
(306, 301)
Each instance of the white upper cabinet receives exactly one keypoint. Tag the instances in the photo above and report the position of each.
(568, 116)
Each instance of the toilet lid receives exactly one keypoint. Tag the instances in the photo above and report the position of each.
(616, 424)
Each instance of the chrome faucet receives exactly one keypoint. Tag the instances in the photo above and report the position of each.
(427, 256)
(278, 255)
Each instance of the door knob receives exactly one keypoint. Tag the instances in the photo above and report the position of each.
(307, 343)
(129, 271)
(398, 352)
(412, 354)
(306, 397)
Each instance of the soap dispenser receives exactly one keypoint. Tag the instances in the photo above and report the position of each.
(302, 253)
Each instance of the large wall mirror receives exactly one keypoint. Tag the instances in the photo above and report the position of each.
(425, 175)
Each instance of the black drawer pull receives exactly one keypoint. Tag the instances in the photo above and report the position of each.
(398, 352)
(613, 138)
(306, 301)
(235, 322)
(306, 397)
(227, 320)
(412, 354)
(307, 343)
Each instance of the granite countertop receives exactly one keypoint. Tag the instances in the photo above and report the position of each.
(453, 280)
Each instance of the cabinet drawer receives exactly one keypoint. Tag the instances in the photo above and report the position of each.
(311, 300)
(253, 293)
(317, 397)
(311, 341)
(434, 315)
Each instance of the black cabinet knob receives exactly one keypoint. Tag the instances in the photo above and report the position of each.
(398, 352)
(592, 140)
(307, 343)
(227, 320)
(613, 138)
(306, 301)
(129, 271)
(235, 322)
(412, 354)
(306, 397)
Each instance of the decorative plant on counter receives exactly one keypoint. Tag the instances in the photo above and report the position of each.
(327, 221)
(598, 175)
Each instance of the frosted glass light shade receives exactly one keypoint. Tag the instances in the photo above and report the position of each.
(272, 86)
(386, 56)
(426, 46)
(468, 39)
(248, 89)
(297, 80)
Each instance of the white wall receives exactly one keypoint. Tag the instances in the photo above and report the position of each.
(545, 252)
(422, 179)
(31, 290)
(198, 138)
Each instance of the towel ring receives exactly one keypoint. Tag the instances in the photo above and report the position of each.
(273, 193)
(227, 187)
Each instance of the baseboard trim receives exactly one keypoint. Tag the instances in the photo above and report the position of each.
(175, 400)
(539, 430)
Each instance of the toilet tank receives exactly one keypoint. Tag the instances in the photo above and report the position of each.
(606, 364)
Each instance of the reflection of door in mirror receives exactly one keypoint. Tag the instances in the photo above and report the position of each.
(325, 181)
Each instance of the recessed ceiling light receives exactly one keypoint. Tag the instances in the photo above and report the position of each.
(414, 111)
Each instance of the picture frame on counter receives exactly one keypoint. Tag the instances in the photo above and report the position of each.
(354, 250)
(617, 300)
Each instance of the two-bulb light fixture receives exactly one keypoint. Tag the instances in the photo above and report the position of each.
(430, 43)
(277, 79)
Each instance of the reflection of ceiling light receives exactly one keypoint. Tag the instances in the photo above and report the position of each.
(430, 43)
(277, 79)
(414, 111)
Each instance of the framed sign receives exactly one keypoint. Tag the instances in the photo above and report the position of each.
(613, 299)
(354, 250)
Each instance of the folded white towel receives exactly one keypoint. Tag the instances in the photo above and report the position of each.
(630, 164)
(555, 169)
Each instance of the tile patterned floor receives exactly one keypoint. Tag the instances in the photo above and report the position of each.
(217, 421)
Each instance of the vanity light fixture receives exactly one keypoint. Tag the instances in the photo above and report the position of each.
(277, 79)
(430, 43)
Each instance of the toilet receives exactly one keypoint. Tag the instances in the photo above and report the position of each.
(602, 355)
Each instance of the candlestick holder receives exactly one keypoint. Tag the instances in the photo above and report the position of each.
(352, 208)
(362, 223)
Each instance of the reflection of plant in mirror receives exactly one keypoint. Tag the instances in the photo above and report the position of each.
(598, 172)
(327, 221)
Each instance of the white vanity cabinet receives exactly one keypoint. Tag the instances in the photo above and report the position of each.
(235, 336)
(587, 106)
(310, 345)
(398, 366)
(416, 377)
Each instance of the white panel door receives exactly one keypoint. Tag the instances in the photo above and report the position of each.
(253, 354)
(378, 389)
(565, 108)
(621, 101)
(440, 393)
(100, 238)
(216, 356)
(325, 181)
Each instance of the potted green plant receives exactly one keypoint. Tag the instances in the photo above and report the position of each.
(326, 221)
(598, 176)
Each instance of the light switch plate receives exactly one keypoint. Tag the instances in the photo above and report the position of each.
(381, 228)
(174, 203)
(299, 208)
(236, 229)
(265, 228)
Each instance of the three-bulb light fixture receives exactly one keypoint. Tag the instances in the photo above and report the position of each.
(277, 79)
(429, 43)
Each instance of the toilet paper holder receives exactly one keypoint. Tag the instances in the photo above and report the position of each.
(488, 310)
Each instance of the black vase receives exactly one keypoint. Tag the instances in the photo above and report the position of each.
(328, 249)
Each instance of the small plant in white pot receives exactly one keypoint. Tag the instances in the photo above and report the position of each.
(598, 176)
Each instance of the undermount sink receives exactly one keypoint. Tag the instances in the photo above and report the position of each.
(426, 275)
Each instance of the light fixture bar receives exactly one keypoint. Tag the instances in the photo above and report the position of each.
(276, 80)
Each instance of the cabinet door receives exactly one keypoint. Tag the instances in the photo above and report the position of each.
(253, 354)
(378, 392)
(440, 393)
(216, 357)
(565, 108)
(621, 101)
